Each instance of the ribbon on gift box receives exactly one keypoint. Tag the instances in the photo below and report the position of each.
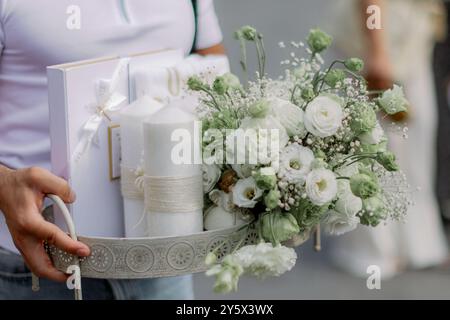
(108, 101)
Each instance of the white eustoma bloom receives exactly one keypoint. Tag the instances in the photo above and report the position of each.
(338, 223)
(323, 116)
(321, 186)
(246, 193)
(243, 170)
(211, 175)
(271, 137)
(290, 116)
(295, 163)
(375, 136)
(264, 260)
(347, 202)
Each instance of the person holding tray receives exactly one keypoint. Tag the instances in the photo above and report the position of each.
(34, 35)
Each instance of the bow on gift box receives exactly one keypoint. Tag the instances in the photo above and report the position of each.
(108, 101)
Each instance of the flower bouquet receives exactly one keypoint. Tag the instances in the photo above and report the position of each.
(289, 154)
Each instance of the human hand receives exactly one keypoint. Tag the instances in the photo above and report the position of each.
(22, 193)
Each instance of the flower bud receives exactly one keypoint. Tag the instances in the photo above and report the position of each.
(226, 82)
(249, 33)
(210, 259)
(318, 40)
(373, 211)
(259, 109)
(265, 178)
(195, 83)
(277, 227)
(354, 64)
(271, 199)
(334, 76)
(387, 160)
(364, 185)
(307, 94)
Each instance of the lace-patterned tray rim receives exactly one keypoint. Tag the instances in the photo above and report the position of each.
(137, 258)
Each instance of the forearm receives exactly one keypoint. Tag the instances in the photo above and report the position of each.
(217, 49)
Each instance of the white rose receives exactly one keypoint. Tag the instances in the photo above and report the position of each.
(246, 193)
(323, 116)
(295, 163)
(375, 136)
(321, 186)
(264, 260)
(338, 223)
(290, 116)
(211, 174)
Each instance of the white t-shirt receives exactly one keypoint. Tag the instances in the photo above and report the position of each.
(38, 33)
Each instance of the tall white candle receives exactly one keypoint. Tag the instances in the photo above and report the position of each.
(175, 207)
(132, 142)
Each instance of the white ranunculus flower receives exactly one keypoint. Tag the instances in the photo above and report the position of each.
(290, 116)
(246, 193)
(266, 145)
(321, 186)
(211, 174)
(375, 136)
(338, 223)
(295, 163)
(264, 260)
(323, 116)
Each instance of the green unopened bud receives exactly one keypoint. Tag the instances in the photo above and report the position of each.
(259, 109)
(364, 118)
(387, 160)
(265, 178)
(272, 198)
(308, 94)
(334, 76)
(249, 33)
(277, 227)
(373, 211)
(354, 64)
(318, 40)
(364, 185)
(226, 82)
(318, 163)
(195, 83)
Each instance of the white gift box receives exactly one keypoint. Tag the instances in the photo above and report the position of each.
(83, 96)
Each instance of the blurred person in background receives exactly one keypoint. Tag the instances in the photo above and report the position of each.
(399, 52)
(441, 66)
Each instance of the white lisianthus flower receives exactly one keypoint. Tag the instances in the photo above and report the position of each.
(321, 186)
(243, 170)
(338, 223)
(347, 202)
(323, 116)
(211, 174)
(348, 170)
(246, 193)
(375, 136)
(295, 163)
(290, 116)
(266, 145)
(264, 260)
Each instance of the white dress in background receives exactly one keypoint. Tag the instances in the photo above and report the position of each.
(420, 242)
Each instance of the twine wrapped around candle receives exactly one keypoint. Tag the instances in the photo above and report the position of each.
(173, 194)
(131, 183)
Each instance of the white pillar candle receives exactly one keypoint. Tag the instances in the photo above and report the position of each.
(174, 198)
(132, 142)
